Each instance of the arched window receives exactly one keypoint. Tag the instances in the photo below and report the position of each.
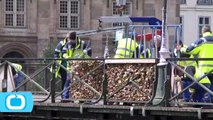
(204, 2)
(14, 54)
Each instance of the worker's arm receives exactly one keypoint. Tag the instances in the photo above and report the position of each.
(65, 50)
(193, 48)
(58, 50)
(87, 49)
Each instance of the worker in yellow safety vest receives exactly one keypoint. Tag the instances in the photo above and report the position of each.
(127, 47)
(188, 66)
(58, 55)
(75, 48)
(203, 48)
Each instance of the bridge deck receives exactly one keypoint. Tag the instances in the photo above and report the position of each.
(142, 111)
(59, 110)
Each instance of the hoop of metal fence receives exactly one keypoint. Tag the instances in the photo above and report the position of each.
(142, 29)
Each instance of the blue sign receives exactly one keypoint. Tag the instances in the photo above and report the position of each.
(16, 102)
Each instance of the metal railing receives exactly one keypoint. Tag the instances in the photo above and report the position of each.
(107, 88)
(177, 99)
(99, 85)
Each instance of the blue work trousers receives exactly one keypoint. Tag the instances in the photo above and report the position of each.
(210, 76)
(65, 94)
(199, 94)
(17, 78)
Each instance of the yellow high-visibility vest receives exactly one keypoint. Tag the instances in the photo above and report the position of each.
(126, 48)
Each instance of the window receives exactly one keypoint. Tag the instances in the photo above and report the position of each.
(69, 11)
(182, 1)
(127, 12)
(204, 2)
(15, 13)
(202, 22)
(181, 19)
(127, 9)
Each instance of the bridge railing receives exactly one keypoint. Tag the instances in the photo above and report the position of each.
(92, 80)
(177, 89)
(130, 81)
(111, 81)
(34, 75)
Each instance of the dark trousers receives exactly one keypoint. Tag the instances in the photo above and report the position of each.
(63, 74)
(17, 79)
(66, 93)
(210, 76)
(199, 94)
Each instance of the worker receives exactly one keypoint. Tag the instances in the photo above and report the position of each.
(188, 66)
(75, 48)
(203, 48)
(16, 68)
(58, 55)
(126, 47)
(156, 47)
(206, 32)
(143, 53)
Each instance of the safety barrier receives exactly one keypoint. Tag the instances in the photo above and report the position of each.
(144, 34)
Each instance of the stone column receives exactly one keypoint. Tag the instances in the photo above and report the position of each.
(85, 21)
(43, 19)
(1, 14)
(97, 41)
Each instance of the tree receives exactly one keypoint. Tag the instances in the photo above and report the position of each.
(49, 51)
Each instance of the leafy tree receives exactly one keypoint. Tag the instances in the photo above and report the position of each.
(49, 51)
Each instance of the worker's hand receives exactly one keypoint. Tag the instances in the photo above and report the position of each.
(177, 78)
(178, 47)
(57, 66)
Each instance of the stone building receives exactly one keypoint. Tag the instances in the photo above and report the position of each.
(28, 26)
(194, 15)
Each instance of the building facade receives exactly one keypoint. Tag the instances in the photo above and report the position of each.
(28, 26)
(193, 15)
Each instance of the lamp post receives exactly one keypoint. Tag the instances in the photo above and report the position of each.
(164, 51)
(161, 92)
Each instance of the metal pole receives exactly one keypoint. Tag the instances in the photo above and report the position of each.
(52, 87)
(46, 80)
(4, 81)
(162, 86)
(105, 85)
(164, 51)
